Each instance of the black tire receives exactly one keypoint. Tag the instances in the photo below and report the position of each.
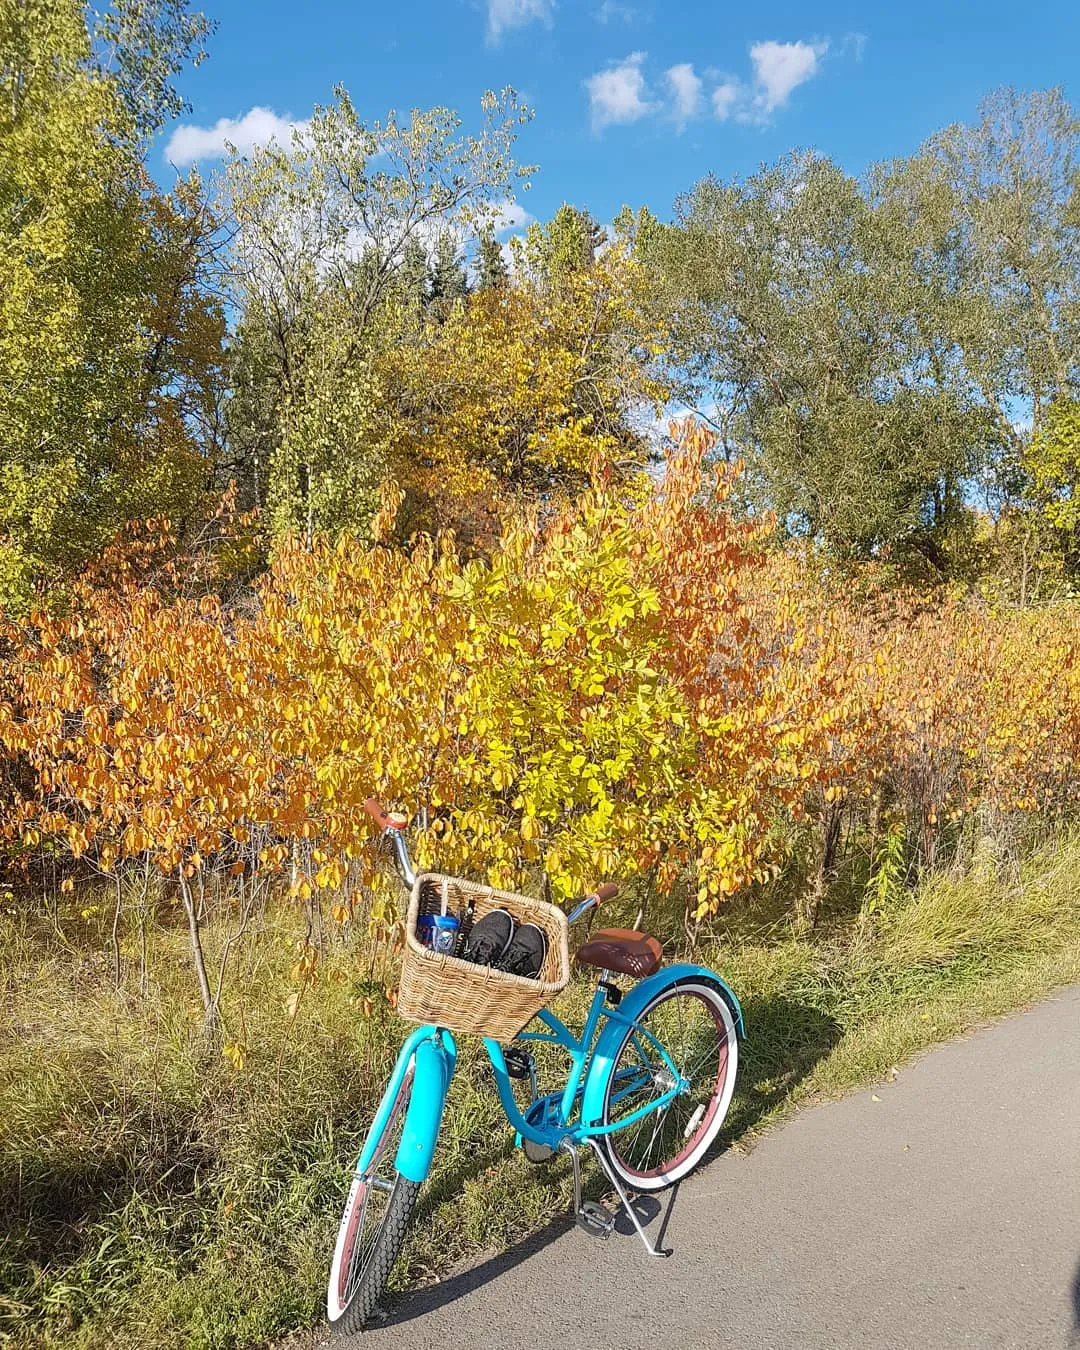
(372, 1230)
(395, 1226)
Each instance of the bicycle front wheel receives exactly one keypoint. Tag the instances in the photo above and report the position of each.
(373, 1226)
(691, 1019)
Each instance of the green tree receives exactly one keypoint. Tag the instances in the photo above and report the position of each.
(491, 268)
(98, 278)
(989, 216)
(448, 282)
(324, 268)
(568, 243)
(791, 323)
(413, 274)
(1052, 460)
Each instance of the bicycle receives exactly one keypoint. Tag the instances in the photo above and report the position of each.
(647, 1108)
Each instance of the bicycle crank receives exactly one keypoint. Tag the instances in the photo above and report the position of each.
(536, 1153)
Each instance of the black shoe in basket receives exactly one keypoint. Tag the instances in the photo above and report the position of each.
(489, 939)
(526, 952)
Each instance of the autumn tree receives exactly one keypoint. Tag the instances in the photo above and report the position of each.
(521, 394)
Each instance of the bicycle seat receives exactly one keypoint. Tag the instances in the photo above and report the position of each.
(622, 949)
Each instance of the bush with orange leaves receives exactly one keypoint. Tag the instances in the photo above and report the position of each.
(638, 684)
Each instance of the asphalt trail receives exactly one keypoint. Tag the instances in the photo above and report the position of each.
(944, 1215)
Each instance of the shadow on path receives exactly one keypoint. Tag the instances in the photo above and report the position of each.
(420, 1302)
(784, 1040)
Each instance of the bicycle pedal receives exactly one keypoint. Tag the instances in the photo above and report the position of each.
(594, 1219)
(519, 1063)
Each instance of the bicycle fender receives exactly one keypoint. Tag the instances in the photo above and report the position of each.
(435, 1060)
(609, 1040)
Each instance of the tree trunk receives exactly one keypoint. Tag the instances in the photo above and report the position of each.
(808, 905)
(197, 951)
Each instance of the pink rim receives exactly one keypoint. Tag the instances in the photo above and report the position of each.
(359, 1207)
(688, 1148)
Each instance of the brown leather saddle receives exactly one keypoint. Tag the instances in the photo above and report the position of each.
(622, 950)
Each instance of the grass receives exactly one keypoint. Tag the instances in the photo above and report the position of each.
(152, 1195)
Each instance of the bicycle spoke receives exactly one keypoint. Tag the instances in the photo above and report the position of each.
(356, 1265)
(694, 1039)
(377, 1193)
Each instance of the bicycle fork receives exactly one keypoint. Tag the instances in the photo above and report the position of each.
(594, 1218)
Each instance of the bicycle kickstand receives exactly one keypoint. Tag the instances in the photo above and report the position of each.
(594, 1218)
(649, 1247)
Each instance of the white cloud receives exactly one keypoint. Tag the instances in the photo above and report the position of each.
(504, 14)
(685, 89)
(779, 68)
(724, 98)
(259, 126)
(619, 94)
(612, 10)
(854, 44)
(509, 216)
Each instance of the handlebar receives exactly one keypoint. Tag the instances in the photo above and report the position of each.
(608, 891)
(386, 820)
(393, 823)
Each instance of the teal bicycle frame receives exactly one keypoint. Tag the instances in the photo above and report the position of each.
(573, 1115)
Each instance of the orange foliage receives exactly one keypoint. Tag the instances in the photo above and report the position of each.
(639, 683)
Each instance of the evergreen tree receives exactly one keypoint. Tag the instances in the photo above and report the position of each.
(492, 270)
(447, 280)
(413, 273)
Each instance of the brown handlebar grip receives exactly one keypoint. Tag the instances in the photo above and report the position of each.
(608, 891)
(383, 818)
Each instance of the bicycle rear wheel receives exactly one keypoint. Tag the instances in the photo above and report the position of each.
(373, 1226)
(691, 1019)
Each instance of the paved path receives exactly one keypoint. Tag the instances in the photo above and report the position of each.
(945, 1215)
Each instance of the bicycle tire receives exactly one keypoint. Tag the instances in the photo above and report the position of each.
(704, 1113)
(352, 1295)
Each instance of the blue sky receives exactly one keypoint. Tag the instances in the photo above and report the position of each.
(634, 99)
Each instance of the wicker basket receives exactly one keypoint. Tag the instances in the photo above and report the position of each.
(466, 997)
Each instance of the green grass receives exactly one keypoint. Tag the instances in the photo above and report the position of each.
(153, 1196)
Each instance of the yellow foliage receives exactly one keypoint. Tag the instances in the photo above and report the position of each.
(517, 391)
(635, 684)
